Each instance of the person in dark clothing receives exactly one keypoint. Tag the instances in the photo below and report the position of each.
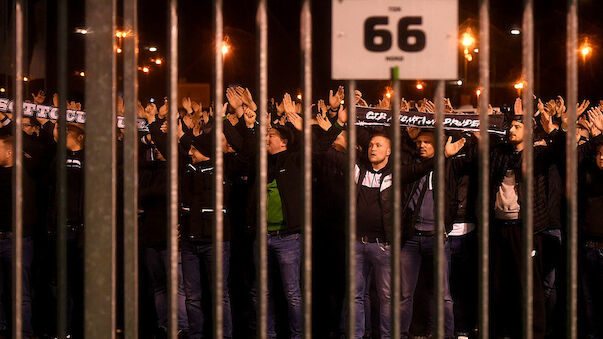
(75, 224)
(506, 189)
(6, 236)
(153, 224)
(419, 226)
(196, 220)
(590, 226)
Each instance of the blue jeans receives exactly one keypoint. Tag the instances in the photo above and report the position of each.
(194, 255)
(285, 251)
(591, 276)
(413, 252)
(158, 266)
(6, 268)
(378, 257)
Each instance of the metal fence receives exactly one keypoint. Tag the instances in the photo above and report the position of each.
(100, 172)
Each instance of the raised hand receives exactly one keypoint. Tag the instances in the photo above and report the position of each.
(448, 106)
(358, 99)
(55, 100)
(421, 105)
(429, 106)
(581, 108)
(248, 99)
(559, 106)
(234, 99)
(342, 116)
(322, 121)
(187, 105)
(322, 107)
(596, 118)
(540, 107)
(335, 99)
(288, 104)
(250, 116)
(546, 119)
(163, 110)
(518, 107)
(384, 103)
(404, 105)
(453, 148)
(39, 98)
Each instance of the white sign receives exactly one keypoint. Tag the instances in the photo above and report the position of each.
(369, 37)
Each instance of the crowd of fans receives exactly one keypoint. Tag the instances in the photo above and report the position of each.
(284, 217)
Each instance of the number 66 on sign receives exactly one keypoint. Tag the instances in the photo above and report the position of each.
(369, 37)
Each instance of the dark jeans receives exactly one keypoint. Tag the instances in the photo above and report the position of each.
(507, 281)
(197, 257)
(414, 251)
(285, 251)
(463, 280)
(157, 261)
(375, 256)
(591, 277)
(6, 268)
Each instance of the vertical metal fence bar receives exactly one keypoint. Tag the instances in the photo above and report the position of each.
(99, 265)
(17, 174)
(130, 174)
(218, 174)
(306, 48)
(528, 167)
(351, 213)
(396, 222)
(439, 262)
(571, 160)
(484, 166)
(262, 172)
(61, 178)
(172, 227)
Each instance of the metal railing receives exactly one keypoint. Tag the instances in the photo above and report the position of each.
(100, 173)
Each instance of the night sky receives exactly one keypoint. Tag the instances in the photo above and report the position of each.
(196, 41)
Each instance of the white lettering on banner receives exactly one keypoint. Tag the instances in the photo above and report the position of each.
(52, 113)
(43, 112)
(417, 36)
(81, 117)
(29, 109)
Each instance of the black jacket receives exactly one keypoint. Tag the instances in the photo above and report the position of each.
(503, 158)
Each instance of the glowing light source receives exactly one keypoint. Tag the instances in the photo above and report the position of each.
(469, 57)
(459, 82)
(476, 50)
(82, 31)
(419, 86)
(145, 69)
(2, 90)
(478, 92)
(586, 49)
(82, 74)
(25, 79)
(152, 49)
(518, 85)
(388, 95)
(467, 39)
(515, 31)
(299, 97)
(118, 50)
(158, 61)
(225, 48)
